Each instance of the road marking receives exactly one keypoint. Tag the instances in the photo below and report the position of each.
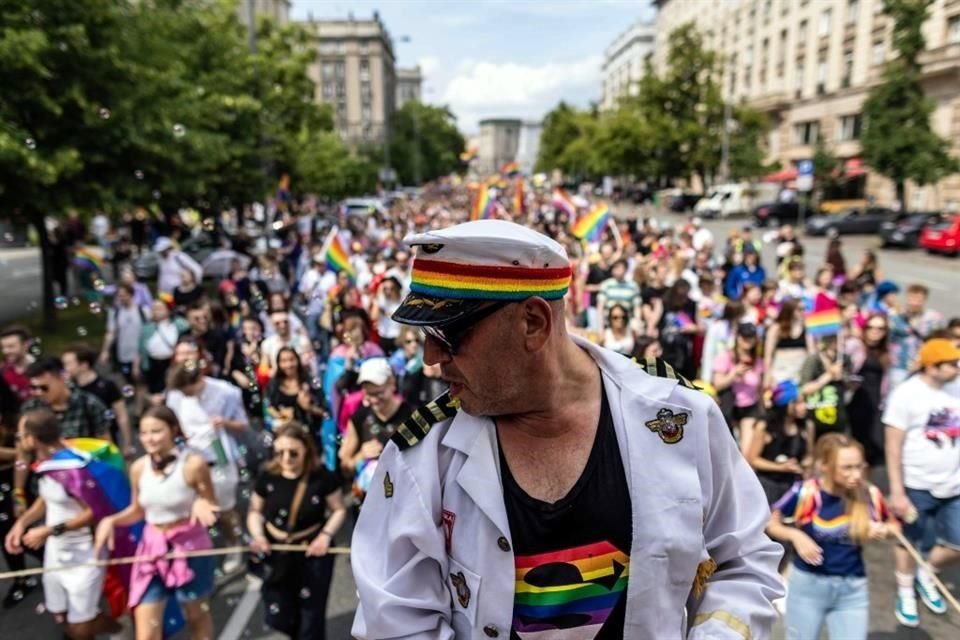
(241, 613)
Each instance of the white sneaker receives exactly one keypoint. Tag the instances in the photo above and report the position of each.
(232, 563)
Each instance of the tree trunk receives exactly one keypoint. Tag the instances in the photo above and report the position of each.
(902, 194)
(49, 308)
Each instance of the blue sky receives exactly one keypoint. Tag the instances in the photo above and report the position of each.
(496, 58)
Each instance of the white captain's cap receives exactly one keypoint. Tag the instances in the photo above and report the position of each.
(459, 270)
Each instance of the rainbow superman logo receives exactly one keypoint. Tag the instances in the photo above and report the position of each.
(568, 594)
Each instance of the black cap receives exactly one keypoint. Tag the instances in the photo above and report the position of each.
(747, 330)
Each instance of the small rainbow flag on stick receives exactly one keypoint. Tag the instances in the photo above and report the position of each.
(562, 201)
(510, 169)
(337, 257)
(824, 319)
(518, 204)
(87, 259)
(483, 204)
(590, 226)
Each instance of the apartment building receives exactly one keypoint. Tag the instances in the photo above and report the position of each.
(276, 10)
(623, 63)
(355, 72)
(409, 83)
(499, 141)
(809, 64)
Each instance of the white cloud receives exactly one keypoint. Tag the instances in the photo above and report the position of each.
(428, 66)
(481, 89)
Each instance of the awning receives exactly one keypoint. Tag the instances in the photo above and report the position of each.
(784, 175)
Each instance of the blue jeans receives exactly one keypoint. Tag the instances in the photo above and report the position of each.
(938, 521)
(841, 601)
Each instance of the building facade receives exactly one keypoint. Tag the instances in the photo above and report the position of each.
(528, 145)
(499, 140)
(276, 10)
(355, 72)
(623, 63)
(409, 83)
(809, 64)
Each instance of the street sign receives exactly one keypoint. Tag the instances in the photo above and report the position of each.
(805, 175)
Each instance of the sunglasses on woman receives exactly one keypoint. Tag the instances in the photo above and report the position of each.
(293, 454)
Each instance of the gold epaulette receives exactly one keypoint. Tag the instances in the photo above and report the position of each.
(417, 426)
(660, 368)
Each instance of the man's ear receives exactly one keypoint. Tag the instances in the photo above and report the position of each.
(537, 322)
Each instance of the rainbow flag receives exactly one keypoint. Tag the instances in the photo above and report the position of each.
(87, 259)
(571, 591)
(562, 201)
(518, 204)
(466, 157)
(483, 205)
(590, 226)
(822, 316)
(337, 257)
(510, 169)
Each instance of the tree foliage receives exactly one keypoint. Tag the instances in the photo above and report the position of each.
(897, 139)
(425, 143)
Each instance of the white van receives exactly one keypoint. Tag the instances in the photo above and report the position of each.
(735, 199)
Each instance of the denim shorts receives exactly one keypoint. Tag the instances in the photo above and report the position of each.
(200, 587)
(938, 520)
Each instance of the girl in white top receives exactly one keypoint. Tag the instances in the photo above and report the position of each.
(173, 492)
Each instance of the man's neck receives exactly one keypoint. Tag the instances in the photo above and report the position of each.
(45, 452)
(85, 377)
(931, 381)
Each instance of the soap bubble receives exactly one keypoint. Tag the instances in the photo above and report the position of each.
(30, 143)
(40, 609)
(82, 332)
(138, 174)
(128, 391)
(75, 301)
(304, 593)
(60, 302)
(95, 307)
(104, 113)
(179, 130)
(274, 608)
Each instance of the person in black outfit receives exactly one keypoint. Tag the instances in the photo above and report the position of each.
(295, 501)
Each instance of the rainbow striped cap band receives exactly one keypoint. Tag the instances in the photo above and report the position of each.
(460, 269)
(485, 282)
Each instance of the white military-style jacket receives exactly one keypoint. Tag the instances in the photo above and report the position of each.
(432, 554)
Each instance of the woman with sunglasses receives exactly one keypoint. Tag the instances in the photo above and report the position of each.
(618, 336)
(295, 501)
(171, 490)
(870, 356)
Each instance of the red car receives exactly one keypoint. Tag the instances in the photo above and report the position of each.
(943, 237)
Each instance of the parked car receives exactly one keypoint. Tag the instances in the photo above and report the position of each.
(680, 202)
(773, 214)
(943, 237)
(904, 231)
(851, 221)
(735, 199)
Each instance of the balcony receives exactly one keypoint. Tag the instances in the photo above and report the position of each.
(942, 60)
(771, 102)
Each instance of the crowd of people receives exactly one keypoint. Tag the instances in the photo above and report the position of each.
(250, 411)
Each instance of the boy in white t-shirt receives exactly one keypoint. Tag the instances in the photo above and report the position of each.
(922, 441)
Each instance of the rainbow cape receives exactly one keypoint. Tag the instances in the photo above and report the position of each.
(591, 225)
(337, 257)
(510, 169)
(823, 317)
(86, 259)
(483, 204)
(562, 201)
(518, 204)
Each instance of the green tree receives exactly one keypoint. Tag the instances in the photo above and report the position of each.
(327, 167)
(424, 143)
(897, 139)
(747, 147)
(561, 127)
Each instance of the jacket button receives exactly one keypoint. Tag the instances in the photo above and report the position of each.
(491, 631)
(503, 544)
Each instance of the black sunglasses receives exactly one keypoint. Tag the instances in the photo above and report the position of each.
(293, 453)
(451, 337)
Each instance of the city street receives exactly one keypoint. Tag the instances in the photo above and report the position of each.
(20, 273)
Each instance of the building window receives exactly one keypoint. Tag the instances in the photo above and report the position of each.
(849, 128)
(365, 91)
(364, 46)
(782, 53)
(328, 47)
(341, 47)
(953, 30)
(806, 133)
(853, 8)
(340, 70)
(784, 7)
(327, 90)
(341, 90)
(824, 29)
(366, 114)
(327, 70)
(802, 33)
(847, 78)
(748, 58)
(879, 53)
(821, 76)
(798, 80)
(364, 69)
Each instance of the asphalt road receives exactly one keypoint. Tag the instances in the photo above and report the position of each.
(20, 276)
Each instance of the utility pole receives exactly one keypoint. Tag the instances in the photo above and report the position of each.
(725, 144)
